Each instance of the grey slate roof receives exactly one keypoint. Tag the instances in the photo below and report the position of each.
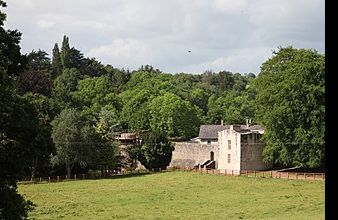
(211, 131)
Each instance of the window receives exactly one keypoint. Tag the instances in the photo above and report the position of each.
(209, 142)
(229, 158)
(229, 144)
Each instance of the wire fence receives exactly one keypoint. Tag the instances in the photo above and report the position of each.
(224, 172)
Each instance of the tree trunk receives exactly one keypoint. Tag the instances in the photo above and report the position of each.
(34, 167)
(69, 170)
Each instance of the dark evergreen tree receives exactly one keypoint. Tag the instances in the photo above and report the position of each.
(17, 125)
(56, 62)
(156, 151)
(65, 53)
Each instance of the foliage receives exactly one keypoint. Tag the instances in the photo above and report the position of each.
(12, 204)
(290, 101)
(173, 116)
(156, 150)
(35, 81)
(18, 124)
(64, 84)
(56, 62)
(232, 107)
(42, 145)
(68, 139)
(65, 53)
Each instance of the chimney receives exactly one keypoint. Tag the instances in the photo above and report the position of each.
(222, 122)
(248, 123)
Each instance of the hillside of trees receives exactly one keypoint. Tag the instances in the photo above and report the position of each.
(60, 112)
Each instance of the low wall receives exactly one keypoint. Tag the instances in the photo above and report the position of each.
(189, 154)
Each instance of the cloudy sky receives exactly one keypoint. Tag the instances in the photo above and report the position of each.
(233, 35)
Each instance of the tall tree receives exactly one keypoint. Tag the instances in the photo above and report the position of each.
(68, 139)
(290, 101)
(65, 53)
(56, 62)
(17, 125)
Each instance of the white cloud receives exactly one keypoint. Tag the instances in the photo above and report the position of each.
(235, 35)
(123, 53)
(230, 5)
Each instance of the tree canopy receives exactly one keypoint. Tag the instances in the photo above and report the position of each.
(290, 101)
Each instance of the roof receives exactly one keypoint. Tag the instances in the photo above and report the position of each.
(211, 131)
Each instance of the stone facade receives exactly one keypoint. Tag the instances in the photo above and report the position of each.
(192, 153)
(238, 147)
(241, 149)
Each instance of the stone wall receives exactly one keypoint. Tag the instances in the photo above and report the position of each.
(252, 154)
(189, 154)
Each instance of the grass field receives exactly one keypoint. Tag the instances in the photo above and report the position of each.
(178, 195)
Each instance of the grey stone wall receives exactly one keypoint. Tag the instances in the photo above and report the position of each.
(189, 154)
(252, 154)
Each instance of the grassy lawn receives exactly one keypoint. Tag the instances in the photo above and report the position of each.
(178, 195)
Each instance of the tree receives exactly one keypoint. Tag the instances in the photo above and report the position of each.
(17, 125)
(65, 53)
(56, 62)
(135, 112)
(64, 84)
(156, 150)
(67, 137)
(42, 145)
(290, 102)
(105, 152)
(174, 116)
(35, 81)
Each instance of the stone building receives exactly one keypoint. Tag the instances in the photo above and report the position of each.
(224, 147)
(241, 148)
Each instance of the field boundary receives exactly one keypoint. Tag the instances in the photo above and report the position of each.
(246, 173)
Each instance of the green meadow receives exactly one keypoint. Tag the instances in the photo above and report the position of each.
(178, 195)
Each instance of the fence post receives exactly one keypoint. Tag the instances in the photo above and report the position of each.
(288, 174)
(280, 175)
(83, 176)
(66, 176)
(232, 172)
(305, 176)
(296, 175)
(74, 176)
(255, 172)
(49, 179)
(40, 179)
(57, 178)
(322, 176)
(263, 174)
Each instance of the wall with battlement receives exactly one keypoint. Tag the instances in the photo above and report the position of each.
(189, 154)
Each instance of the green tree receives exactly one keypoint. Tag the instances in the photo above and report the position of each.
(64, 85)
(42, 145)
(135, 112)
(156, 150)
(174, 116)
(65, 53)
(56, 62)
(69, 142)
(17, 125)
(290, 101)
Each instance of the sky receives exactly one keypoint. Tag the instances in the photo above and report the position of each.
(232, 35)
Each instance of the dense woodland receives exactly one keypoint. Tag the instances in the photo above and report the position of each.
(61, 110)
